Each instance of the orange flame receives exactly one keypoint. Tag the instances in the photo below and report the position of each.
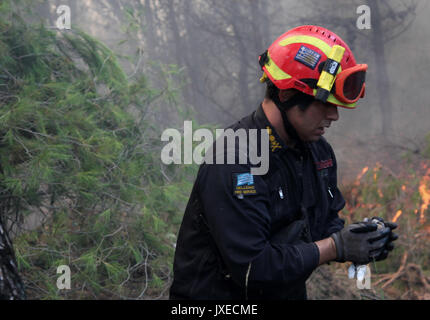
(403, 188)
(397, 216)
(375, 171)
(362, 173)
(425, 194)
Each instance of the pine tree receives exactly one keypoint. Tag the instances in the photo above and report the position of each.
(76, 145)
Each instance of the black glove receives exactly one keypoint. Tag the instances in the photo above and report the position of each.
(392, 237)
(361, 242)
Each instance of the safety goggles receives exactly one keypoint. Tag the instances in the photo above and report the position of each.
(349, 85)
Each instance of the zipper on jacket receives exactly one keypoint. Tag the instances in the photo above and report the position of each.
(246, 281)
(331, 194)
(281, 193)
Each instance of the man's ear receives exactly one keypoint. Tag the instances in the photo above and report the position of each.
(284, 95)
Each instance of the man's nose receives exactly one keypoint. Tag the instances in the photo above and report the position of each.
(332, 113)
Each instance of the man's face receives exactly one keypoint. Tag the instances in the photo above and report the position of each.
(311, 123)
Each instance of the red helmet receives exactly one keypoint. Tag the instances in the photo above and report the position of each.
(296, 59)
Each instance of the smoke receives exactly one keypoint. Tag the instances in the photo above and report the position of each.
(216, 44)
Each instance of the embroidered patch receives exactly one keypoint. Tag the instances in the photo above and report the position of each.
(243, 184)
(273, 143)
(308, 57)
(324, 164)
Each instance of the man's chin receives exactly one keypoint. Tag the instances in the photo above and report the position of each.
(314, 138)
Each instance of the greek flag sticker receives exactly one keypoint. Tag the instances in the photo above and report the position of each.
(308, 57)
(245, 179)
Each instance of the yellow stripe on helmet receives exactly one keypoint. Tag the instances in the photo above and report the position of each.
(316, 42)
(274, 70)
(322, 45)
(332, 99)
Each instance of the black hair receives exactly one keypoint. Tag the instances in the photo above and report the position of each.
(271, 90)
(272, 93)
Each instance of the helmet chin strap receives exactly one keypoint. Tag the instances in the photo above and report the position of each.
(302, 100)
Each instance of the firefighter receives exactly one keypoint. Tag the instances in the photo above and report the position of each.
(246, 236)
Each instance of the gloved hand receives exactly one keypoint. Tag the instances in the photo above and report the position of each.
(392, 237)
(361, 242)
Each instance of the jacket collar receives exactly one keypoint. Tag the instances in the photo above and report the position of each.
(277, 145)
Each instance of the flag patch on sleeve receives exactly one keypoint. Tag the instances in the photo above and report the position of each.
(243, 184)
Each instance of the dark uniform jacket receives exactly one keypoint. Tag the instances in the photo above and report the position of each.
(249, 236)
